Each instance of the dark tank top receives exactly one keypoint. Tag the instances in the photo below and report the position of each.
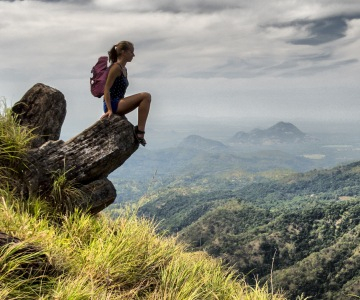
(118, 89)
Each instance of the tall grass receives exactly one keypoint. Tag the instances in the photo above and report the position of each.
(65, 197)
(100, 258)
(14, 142)
(23, 273)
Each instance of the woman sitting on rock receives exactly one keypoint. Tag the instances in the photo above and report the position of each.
(117, 82)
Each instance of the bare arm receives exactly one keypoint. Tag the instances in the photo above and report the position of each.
(113, 73)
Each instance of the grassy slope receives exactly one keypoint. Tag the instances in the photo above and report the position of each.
(314, 251)
(97, 258)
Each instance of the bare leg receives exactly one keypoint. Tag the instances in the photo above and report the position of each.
(142, 101)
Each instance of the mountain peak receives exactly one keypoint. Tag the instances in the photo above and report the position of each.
(199, 142)
(286, 130)
(280, 133)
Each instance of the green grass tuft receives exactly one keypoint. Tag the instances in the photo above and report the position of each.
(65, 197)
(14, 142)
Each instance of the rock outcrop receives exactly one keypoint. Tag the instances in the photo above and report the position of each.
(43, 109)
(87, 159)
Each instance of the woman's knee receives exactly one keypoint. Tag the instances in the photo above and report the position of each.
(146, 96)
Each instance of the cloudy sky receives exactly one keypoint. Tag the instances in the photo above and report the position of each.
(206, 63)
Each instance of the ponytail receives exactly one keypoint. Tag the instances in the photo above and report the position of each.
(113, 54)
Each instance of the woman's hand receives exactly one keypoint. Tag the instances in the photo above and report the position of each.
(107, 114)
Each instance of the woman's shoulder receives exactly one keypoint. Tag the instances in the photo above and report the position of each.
(115, 68)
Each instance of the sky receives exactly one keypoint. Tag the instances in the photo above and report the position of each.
(211, 66)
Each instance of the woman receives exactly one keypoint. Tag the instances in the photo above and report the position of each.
(115, 101)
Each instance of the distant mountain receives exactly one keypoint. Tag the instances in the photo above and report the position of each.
(280, 133)
(198, 142)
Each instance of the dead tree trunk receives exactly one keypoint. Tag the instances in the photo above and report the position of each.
(87, 159)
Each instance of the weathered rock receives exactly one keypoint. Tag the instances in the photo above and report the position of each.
(101, 193)
(87, 159)
(89, 156)
(43, 109)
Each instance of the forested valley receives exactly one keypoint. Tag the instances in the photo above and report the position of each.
(272, 215)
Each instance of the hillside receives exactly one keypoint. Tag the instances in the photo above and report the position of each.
(248, 205)
(198, 142)
(250, 238)
(96, 258)
(50, 248)
(306, 223)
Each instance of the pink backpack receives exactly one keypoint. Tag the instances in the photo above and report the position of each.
(99, 74)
